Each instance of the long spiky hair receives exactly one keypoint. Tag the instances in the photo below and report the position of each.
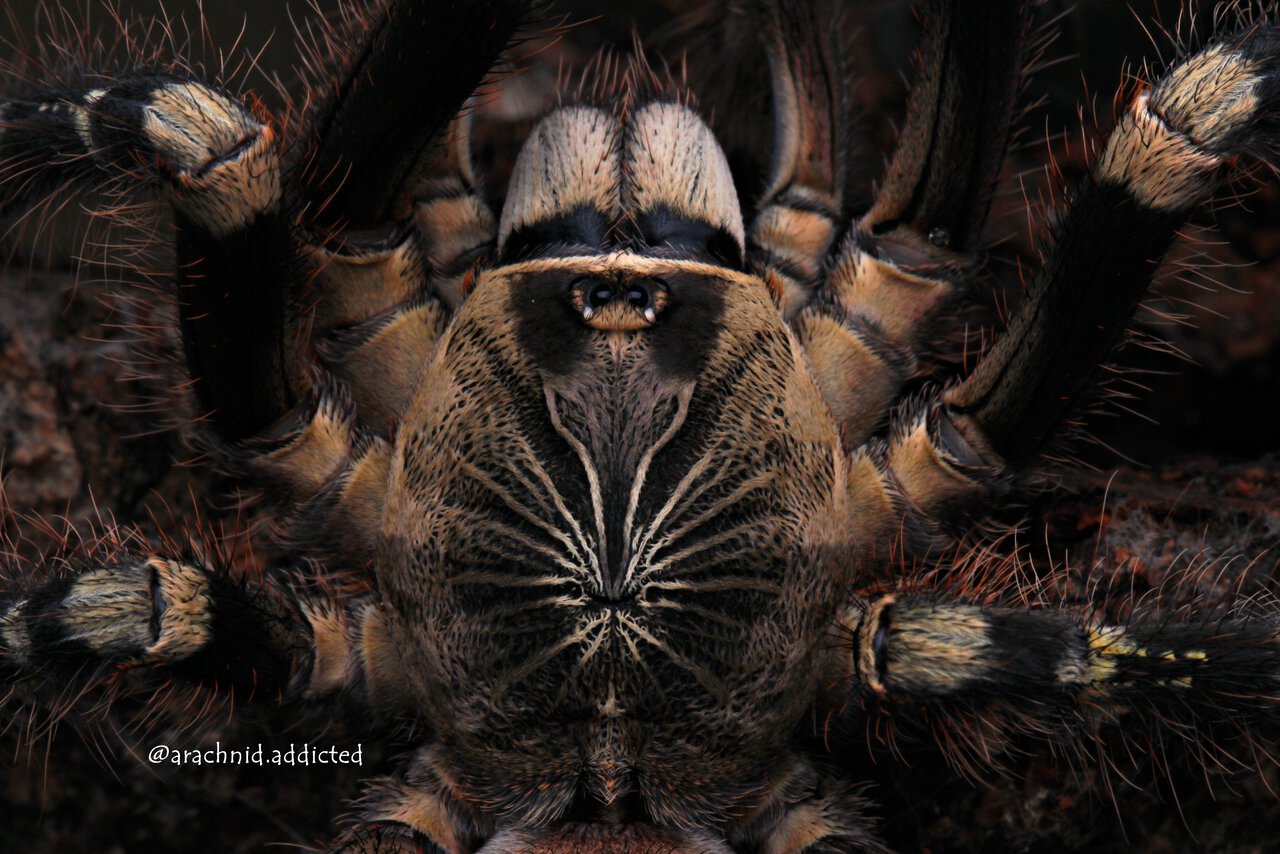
(120, 251)
(121, 261)
(110, 715)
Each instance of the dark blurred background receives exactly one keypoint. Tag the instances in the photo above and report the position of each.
(74, 442)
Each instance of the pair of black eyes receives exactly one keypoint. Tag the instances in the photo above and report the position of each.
(640, 295)
(636, 295)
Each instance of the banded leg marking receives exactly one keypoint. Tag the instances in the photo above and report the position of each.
(1054, 663)
(798, 219)
(1168, 153)
(156, 611)
(218, 165)
(869, 306)
(259, 639)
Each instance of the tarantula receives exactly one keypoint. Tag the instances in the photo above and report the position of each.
(613, 484)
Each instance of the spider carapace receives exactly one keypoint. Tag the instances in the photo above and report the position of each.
(624, 464)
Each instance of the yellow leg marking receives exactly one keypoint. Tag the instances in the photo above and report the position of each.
(1107, 643)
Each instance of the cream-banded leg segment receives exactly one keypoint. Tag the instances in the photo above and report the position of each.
(799, 217)
(453, 226)
(259, 639)
(1167, 154)
(905, 487)
(327, 471)
(869, 298)
(1047, 672)
(352, 655)
(218, 164)
(156, 611)
(373, 313)
(797, 225)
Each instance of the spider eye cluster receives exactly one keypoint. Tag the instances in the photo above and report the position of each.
(619, 304)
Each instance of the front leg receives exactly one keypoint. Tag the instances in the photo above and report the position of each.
(217, 163)
(1171, 149)
(266, 641)
(871, 298)
(154, 611)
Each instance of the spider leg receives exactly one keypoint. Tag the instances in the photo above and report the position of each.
(268, 280)
(1168, 153)
(218, 165)
(1049, 671)
(866, 297)
(799, 215)
(373, 137)
(1052, 673)
(238, 266)
(1170, 150)
(385, 149)
(265, 640)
